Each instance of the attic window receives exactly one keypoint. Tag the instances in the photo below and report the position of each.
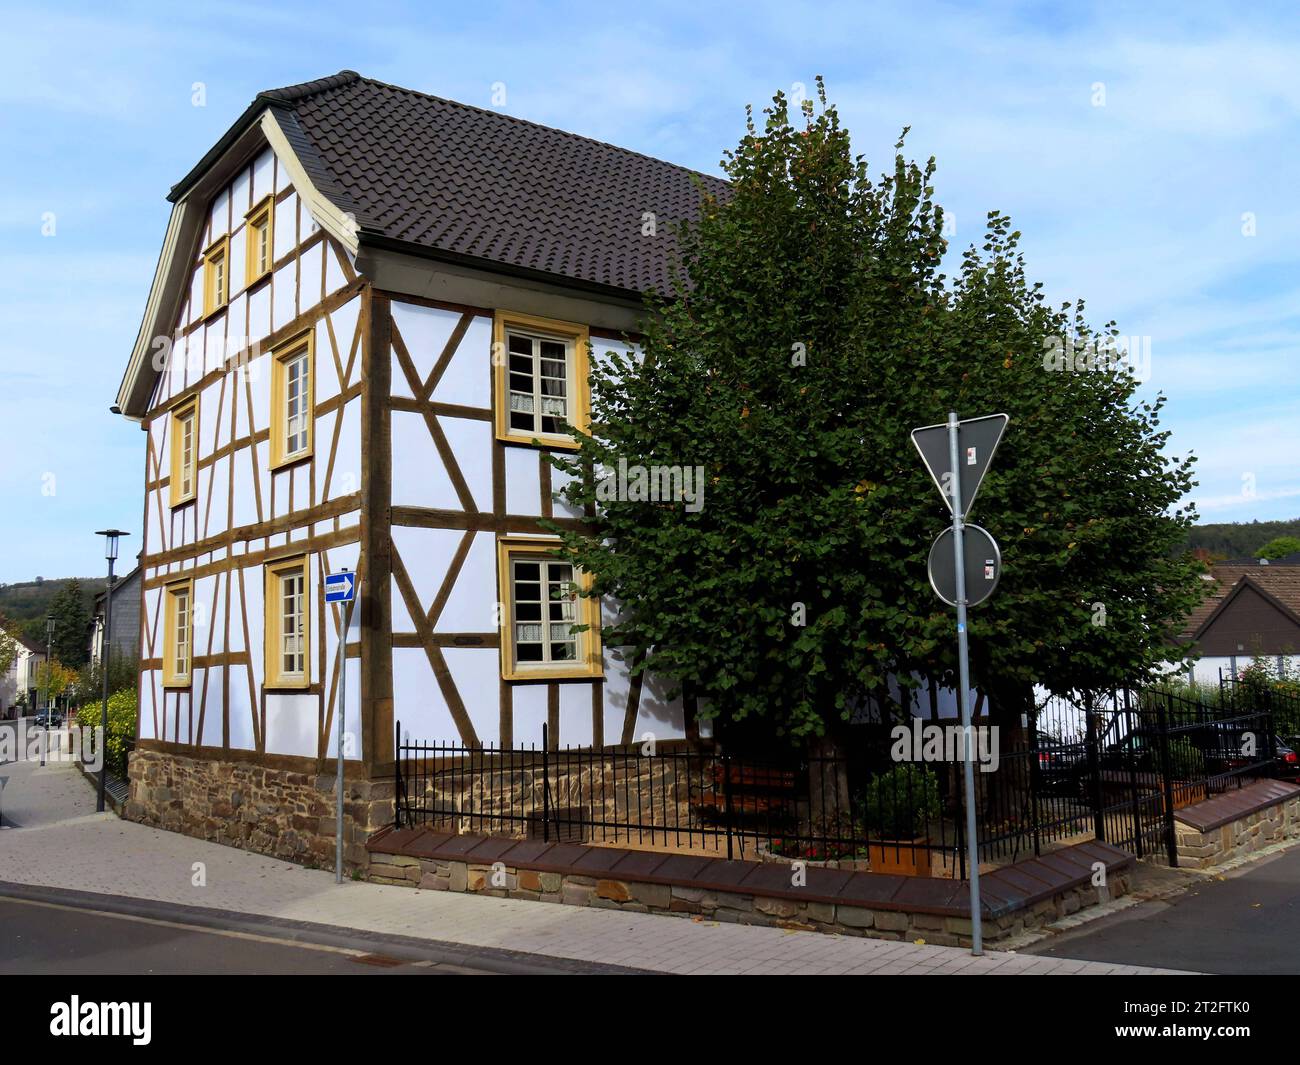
(216, 276)
(259, 240)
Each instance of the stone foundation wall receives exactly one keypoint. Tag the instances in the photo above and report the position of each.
(504, 881)
(489, 794)
(278, 812)
(1202, 850)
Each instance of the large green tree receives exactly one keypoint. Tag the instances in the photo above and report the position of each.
(71, 625)
(810, 330)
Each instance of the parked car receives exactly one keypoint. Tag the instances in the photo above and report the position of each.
(49, 719)
(1061, 766)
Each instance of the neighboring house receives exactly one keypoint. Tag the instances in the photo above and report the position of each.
(21, 676)
(125, 639)
(375, 300)
(1253, 610)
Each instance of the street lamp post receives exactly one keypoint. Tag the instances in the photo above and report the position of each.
(49, 646)
(110, 552)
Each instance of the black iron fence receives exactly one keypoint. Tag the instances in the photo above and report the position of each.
(1113, 768)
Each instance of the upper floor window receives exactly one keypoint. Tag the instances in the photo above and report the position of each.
(293, 408)
(259, 240)
(178, 633)
(287, 624)
(541, 379)
(216, 276)
(184, 451)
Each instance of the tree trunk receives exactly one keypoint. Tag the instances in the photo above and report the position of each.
(829, 804)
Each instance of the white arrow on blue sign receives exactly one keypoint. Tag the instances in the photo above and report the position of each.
(340, 587)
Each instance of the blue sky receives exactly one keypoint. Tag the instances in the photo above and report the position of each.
(1139, 203)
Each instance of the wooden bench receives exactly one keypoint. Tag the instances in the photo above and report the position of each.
(753, 790)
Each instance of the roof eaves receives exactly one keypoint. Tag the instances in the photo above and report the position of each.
(370, 237)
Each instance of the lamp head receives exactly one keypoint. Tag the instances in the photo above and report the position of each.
(111, 537)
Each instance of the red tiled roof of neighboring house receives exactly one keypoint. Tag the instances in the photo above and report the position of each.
(1280, 582)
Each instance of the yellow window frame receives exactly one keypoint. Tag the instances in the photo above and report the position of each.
(590, 662)
(261, 217)
(173, 676)
(189, 409)
(578, 337)
(216, 282)
(273, 626)
(280, 358)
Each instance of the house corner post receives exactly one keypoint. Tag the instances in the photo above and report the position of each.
(375, 705)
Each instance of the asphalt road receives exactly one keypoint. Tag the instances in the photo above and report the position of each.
(38, 939)
(1246, 923)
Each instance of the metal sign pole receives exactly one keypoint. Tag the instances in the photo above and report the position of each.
(343, 704)
(963, 684)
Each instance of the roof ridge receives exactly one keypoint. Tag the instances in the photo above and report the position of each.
(300, 91)
(525, 122)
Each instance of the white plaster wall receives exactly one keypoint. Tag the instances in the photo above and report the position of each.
(523, 481)
(529, 705)
(471, 607)
(467, 380)
(418, 705)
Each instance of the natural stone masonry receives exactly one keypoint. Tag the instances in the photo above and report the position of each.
(1237, 823)
(1019, 898)
(585, 788)
(271, 811)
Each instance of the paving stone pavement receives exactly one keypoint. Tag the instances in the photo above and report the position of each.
(59, 841)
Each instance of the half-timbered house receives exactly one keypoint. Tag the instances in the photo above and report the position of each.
(316, 381)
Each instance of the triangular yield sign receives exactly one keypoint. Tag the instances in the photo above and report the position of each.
(977, 440)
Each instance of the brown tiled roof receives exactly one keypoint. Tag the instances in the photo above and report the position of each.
(485, 186)
(1281, 582)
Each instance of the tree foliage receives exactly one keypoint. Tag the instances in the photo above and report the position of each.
(811, 329)
(1279, 547)
(71, 625)
(8, 647)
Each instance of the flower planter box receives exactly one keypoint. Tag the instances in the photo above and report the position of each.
(1184, 792)
(903, 857)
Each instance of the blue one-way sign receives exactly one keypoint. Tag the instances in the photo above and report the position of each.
(340, 587)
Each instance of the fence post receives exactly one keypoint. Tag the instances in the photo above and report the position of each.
(1270, 734)
(397, 774)
(1094, 768)
(546, 786)
(1132, 773)
(961, 835)
(1162, 725)
(726, 796)
(1034, 770)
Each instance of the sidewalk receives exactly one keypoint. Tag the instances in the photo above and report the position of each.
(61, 842)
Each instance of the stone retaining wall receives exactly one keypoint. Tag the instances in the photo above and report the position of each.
(487, 792)
(1202, 849)
(504, 881)
(278, 812)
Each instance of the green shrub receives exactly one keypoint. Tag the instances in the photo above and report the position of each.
(900, 803)
(123, 708)
(1186, 760)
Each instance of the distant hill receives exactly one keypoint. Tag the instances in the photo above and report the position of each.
(26, 603)
(1239, 539)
